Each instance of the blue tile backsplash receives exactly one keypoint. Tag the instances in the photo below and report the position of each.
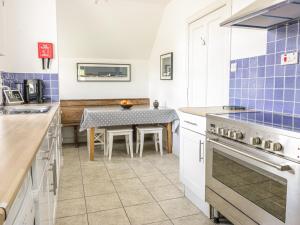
(51, 91)
(262, 83)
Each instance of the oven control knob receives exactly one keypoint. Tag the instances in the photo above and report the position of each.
(238, 135)
(255, 140)
(218, 130)
(230, 133)
(276, 147)
(266, 144)
(223, 132)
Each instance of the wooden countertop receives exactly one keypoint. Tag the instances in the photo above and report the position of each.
(20, 138)
(2, 216)
(203, 111)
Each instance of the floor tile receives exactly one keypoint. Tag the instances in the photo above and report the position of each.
(155, 181)
(167, 222)
(173, 177)
(73, 220)
(71, 181)
(99, 188)
(135, 197)
(70, 192)
(70, 207)
(193, 220)
(165, 192)
(179, 207)
(128, 184)
(103, 202)
(145, 214)
(109, 217)
(95, 177)
(122, 174)
(111, 165)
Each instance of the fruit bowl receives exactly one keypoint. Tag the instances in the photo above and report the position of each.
(125, 104)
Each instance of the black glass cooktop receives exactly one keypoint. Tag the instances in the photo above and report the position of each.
(281, 121)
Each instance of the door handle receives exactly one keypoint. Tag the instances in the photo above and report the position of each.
(200, 151)
(276, 166)
(191, 123)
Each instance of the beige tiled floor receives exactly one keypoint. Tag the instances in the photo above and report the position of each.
(123, 191)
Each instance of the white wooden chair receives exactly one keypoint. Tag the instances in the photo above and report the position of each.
(99, 138)
(157, 135)
(111, 133)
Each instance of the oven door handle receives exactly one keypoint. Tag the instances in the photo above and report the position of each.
(276, 166)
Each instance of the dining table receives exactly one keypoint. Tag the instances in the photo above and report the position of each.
(104, 117)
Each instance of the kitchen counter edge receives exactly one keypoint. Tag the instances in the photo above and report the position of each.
(13, 177)
(204, 111)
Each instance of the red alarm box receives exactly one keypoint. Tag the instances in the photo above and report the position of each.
(45, 50)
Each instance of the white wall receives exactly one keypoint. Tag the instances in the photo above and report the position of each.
(70, 88)
(246, 42)
(29, 22)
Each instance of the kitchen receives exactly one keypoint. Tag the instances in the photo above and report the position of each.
(211, 133)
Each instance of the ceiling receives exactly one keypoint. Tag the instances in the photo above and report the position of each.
(117, 29)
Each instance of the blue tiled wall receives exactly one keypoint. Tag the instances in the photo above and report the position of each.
(51, 91)
(262, 83)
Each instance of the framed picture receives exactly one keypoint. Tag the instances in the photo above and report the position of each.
(103, 72)
(166, 66)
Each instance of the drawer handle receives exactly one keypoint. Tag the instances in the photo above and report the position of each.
(194, 124)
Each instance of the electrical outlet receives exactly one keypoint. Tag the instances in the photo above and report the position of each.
(289, 58)
(233, 67)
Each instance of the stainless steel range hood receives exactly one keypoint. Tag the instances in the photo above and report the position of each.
(265, 14)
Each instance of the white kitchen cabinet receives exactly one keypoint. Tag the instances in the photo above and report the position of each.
(45, 170)
(2, 27)
(208, 61)
(192, 159)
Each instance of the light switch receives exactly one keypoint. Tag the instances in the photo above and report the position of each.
(233, 67)
(289, 58)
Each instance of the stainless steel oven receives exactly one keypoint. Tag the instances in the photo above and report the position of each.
(261, 184)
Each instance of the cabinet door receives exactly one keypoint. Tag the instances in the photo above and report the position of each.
(43, 202)
(51, 186)
(209, 45)
(2, 27)
(193, 162)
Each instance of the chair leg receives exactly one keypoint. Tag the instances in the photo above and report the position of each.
(160, 143)
(137, 142)
(127, 143)
(111, 140)
(141, 144)
(131, 145)
(107, 146)
(155, 136)
(104, 143)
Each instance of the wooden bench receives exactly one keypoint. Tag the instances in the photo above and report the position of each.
(72, 111)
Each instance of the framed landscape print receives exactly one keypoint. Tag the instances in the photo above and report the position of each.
(103, 72)
(166, 66)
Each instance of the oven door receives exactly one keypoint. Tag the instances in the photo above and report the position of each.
(263, 186)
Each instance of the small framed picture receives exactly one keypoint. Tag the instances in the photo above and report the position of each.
(166, 66)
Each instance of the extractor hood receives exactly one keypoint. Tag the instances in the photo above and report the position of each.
(265, 14)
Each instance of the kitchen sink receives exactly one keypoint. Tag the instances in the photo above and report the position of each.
(10, 110)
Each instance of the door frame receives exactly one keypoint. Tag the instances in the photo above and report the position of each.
(209, 9)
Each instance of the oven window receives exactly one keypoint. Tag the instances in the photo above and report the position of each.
(265, 190)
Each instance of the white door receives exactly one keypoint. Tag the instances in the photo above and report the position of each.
(209, 60)
(2, 27)
(193, 163)
(197, 65)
